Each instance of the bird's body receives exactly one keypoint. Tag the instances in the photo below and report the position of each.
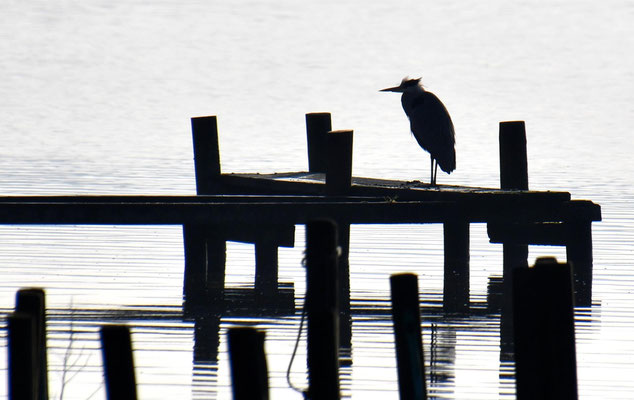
(430, 124)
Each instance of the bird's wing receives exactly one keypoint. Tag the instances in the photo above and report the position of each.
(433, 129)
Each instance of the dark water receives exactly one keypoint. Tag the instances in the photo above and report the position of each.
(97, 98)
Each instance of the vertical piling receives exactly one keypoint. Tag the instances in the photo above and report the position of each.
(407, 335)
(339, 162)
(206, 154)
(544, 332)
(322, 310)
(579, 254)
(116, 350)
(513, 158)
(456, 274)
(513, 176)
(22, 356)
(338, 182)
(266, 265)
(195, 275)
(249, 372)
(317, 127)
(32, 302)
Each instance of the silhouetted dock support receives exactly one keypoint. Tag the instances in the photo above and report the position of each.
(322, 310)
(32, 302)
(249, 372)
(407, 335)
(544, 331)
(317, 127)
(456, 274)
(22, 364)
(118, 363)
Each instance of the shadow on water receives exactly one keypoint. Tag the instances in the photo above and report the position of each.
(444, 334)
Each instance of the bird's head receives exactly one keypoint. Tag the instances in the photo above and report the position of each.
(407, 84)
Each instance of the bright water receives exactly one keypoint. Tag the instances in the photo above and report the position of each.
(97, 96)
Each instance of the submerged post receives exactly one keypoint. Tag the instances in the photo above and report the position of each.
(456, 274)
(579, 254)
(206, 154)
(322, 310)
(339, 163)
(407, 335)
(118, 364)
(544, 331)
(317, 127)
(266, 269)
(22, 356)
(249, 373)
(32, 302)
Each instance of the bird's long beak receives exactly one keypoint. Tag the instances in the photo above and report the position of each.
(392, 89)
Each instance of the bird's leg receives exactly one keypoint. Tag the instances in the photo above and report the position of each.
(435, 171)
(432, 181)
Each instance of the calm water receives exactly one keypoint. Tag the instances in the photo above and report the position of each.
(97, 96)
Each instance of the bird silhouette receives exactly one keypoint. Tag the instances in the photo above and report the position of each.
(430, 124)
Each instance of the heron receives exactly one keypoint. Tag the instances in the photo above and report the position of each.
(430, 124)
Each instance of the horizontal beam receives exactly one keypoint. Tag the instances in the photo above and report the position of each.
(178, 210)
(550, 233)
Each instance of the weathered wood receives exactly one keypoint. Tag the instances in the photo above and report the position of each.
(266, 269)
(579, 254)
(322, 310)
(118, 363)
(206, 154)
(513, 159)
(407, 335)
(317, 127)
(195, 274)
(544, 332)
(281, 235)
(339, 164)
(343, 284)
(32, 302)
(551, 233)
(456, 269)
(22, 357)
(216, 264)
(249, 372)
(356, 211)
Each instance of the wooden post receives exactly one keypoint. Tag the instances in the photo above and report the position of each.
(456, 275)
(317, 127)
(206, 337)
(513, 176)
(205, 258)
(249, 373)
(195, 276)
(118, 363)
(407, 335)
(513, 159)
(579, 254)
(343, 282)
(322, 310)
(544, 331)
(32, 302)
(266, 269)
(216, 263)
(206, 154)
(22, 364)
(339, 164)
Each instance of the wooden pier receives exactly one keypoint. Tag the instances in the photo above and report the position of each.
(264, 208)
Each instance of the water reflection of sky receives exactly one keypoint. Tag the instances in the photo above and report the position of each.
(97, 99)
